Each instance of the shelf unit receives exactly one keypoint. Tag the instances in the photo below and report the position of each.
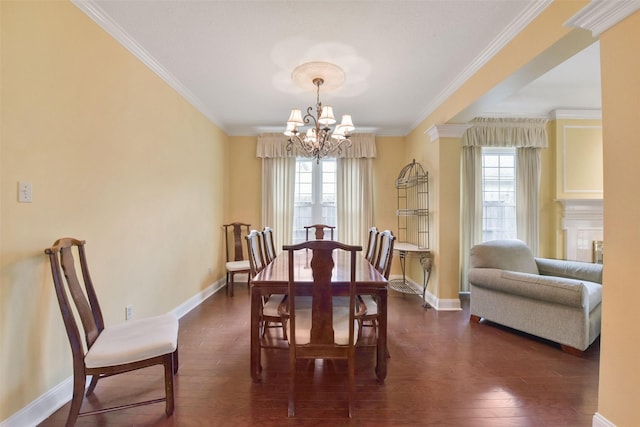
(412, 185)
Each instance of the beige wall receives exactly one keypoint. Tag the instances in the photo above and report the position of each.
(619, 370)
(579, 153)
(115, 157)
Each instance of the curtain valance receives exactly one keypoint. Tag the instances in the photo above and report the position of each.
(506, 132)
(274, 145)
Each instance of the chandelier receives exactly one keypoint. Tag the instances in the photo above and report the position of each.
(319, 139)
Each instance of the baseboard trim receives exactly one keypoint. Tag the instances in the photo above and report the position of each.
(55, 398)
(435, 302)
(600, 421)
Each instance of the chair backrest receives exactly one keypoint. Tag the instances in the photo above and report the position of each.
(372, 245)
(237, 230)
(319, 230)
(254, 252)
(85, 302)
(321, 291)
(268, 244)
(385, 254)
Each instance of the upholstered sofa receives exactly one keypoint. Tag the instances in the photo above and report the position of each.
(553, 299)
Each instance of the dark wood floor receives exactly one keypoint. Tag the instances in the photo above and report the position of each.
(443, 371)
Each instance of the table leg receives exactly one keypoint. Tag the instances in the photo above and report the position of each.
(255, 334)
(381, 349)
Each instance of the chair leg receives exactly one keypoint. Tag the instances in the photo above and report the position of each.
(227, 283)
(352, 382)
(92, 385)
(292, 385)
(175, 361)
(231, 283)
(79, 381)
(168, 382)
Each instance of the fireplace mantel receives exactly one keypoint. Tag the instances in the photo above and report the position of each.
(582, 223)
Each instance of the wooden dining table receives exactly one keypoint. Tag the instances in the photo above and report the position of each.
(273, 279)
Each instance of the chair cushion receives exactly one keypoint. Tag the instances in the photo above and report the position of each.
(238, 265)
(511, 255)
(340, 321)
(372, 306)
(133, 341)
(270, 308)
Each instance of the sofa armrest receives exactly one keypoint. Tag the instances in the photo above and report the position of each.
(557, 290)
(570, 269)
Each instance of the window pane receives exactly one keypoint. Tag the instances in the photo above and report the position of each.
(315, 195)
(499, 194)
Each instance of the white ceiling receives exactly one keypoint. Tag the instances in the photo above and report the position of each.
(233, 59)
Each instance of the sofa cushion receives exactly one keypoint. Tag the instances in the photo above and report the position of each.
(557, 290)
(512, 255)
(570, 269)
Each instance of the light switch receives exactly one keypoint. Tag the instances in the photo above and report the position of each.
(24, 192)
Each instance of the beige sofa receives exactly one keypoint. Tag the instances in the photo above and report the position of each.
(553, 299)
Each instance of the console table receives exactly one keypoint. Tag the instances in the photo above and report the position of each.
(405, 250)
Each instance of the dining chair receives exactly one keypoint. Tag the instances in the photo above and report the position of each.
(383, 265)
(372, 245)
(321, 325)
(236, 262)
(269, 315)
(319, 230)
(268, 245)
(107, 350)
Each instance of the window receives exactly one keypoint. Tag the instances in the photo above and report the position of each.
(498, 193)
(315, 195)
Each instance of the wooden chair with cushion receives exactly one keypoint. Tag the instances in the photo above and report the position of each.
(372, 245)
(236, 262)
(321, 325)
(110, 350)
(268, 245)
(383, 265)
(319, 230)
(269, 316)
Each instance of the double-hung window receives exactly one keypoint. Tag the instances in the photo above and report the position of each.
(315, 195)
(498, 193)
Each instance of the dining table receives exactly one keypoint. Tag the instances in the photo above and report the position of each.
(274, 279)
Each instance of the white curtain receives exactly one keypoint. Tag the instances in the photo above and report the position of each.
(278, 186)
(355, 192)
(355, 200)
(528, 136)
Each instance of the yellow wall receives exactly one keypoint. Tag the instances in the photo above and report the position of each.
(244, 181)
(619, 370)
(579, 154)
(116, 157)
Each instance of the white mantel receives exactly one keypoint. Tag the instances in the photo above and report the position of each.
(582, 223)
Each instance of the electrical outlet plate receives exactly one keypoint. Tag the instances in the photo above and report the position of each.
(128, 312)
(24, 192)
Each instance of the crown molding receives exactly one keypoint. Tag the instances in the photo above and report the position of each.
(516, 26)
(100, 17)
(576, 114)
(599, 16)
(454, 130)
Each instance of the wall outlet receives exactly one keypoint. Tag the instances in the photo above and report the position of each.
(128, 312)
(25, 194)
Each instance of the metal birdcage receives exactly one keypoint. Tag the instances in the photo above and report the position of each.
(413, 205)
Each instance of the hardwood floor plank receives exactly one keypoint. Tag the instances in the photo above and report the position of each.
(443, 371)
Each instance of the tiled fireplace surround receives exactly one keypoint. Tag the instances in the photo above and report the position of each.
(582, 224)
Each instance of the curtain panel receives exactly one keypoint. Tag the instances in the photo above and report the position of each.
(528, 137)
(354, 192)
(506, 132)
(273, 145)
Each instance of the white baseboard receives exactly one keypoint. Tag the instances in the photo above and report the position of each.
(600, 421)
(435, 302)
(55, 398)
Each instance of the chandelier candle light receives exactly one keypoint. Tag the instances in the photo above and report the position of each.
(319, 139)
